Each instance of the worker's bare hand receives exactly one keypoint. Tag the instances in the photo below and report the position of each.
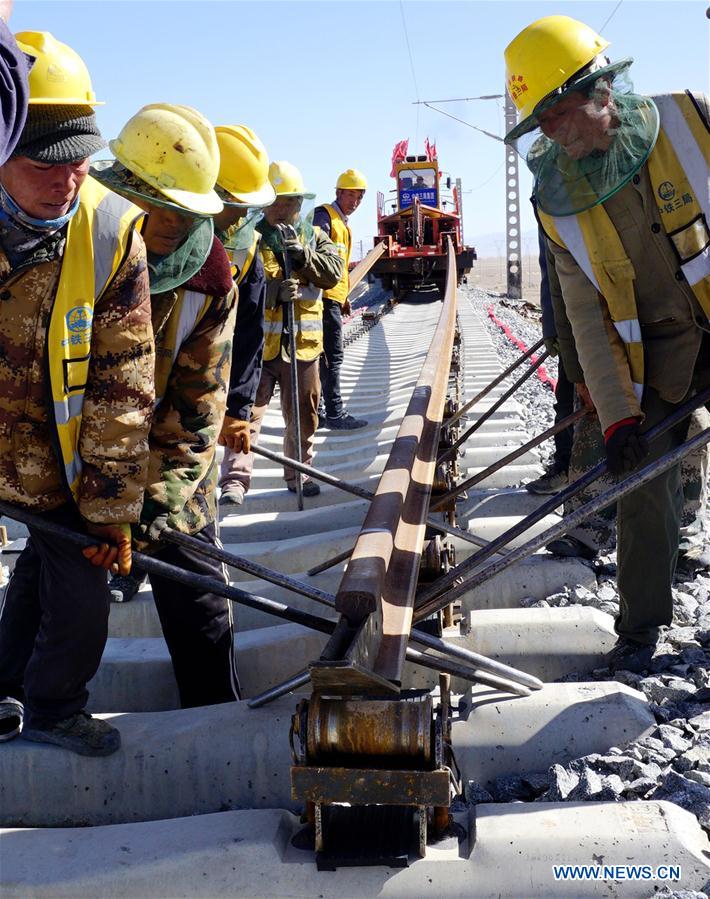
(114, 551)
(585, 396)
(347, 308)
(235, 435)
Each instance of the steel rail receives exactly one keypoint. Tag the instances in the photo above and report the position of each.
(506, 460)
(645, 474)
(493, 384)
(364, 265)
(482, 419)
(376, 595)
(445, 582)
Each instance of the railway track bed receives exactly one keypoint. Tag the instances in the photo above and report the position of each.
(199, 803)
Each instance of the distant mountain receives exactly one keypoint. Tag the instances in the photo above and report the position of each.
(493, 243)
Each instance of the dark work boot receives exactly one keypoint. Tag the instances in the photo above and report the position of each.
(346, 422)
(628, 655)
(554, 479)
(123, 587)
(81, 734)
(571, 548)
(310, 488)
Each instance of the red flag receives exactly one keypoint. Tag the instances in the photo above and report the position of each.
(398, 154)
(429, 149)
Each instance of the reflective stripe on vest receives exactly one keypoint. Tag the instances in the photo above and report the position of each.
(98, 239)
(679, 170)
(186, 314)
(341, 236)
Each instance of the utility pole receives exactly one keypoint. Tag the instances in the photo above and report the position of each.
(512, 207)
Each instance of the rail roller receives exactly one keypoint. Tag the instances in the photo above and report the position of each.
(375, 775)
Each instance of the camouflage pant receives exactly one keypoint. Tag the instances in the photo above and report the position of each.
(599, 530)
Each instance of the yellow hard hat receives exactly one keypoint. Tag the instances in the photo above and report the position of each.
(173, 149)
(244, 166)
(58, 74)
(351, 180)
(287, 180)
(545, 55)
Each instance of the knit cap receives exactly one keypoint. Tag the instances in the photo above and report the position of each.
(58, 134)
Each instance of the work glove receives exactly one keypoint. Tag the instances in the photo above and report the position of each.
(293, 246)
(235, 435)
(289, 291)
(114, 551)
(625, 445)
(552, 345)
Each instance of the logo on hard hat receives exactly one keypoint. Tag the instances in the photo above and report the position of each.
(516, 86)
(56, 73)
(79, 319)
(666, 190)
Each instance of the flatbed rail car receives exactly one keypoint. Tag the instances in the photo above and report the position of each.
(415, 224)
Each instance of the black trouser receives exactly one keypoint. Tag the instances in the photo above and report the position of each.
(564, 406)
(53, 624)
(332, 358)
(197, 627)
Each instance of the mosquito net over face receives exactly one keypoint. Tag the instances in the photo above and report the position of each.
(174, 270)
(590, 152)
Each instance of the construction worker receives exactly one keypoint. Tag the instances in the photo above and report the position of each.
(597, 533)
(167, 161)
(332, 219)
(244, 187)
(76, 367)
(315, 265)
(621, 186)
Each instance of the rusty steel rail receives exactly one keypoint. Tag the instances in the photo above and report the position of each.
(364, 265)
(376, 595)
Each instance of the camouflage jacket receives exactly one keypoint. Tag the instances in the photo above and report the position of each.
(118, 400)
(188, 417)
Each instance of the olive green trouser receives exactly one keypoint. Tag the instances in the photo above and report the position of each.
(648, 526)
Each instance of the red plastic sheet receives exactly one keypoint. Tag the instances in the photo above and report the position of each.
(517, 342)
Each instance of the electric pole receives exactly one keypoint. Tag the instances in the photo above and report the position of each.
(512, 207)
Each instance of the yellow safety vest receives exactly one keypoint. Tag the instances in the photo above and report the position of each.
(182, 320)
(98, 241)
(308, 315)
(679, 168)
(342, 237)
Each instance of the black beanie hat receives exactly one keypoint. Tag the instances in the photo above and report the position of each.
(58, 134)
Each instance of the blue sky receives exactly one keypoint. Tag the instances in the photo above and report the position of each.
(329, 85)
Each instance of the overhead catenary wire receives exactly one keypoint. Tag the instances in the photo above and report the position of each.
(610, 17)
(463, 122)
(411, 63)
